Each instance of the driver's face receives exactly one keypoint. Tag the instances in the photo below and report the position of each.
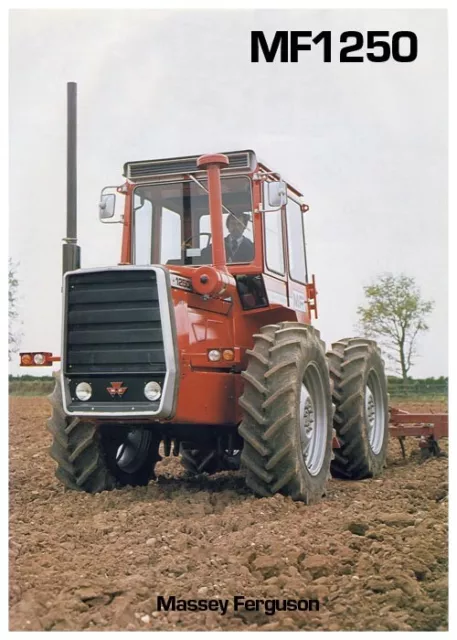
(236, 227)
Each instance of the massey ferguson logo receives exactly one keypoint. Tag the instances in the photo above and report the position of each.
(116, 389)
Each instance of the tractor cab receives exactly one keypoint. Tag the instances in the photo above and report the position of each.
(255, 232)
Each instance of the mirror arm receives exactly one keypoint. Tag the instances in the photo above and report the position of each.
(259, 210)
(112, 221)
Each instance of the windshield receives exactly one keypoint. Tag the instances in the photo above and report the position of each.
(171, 222)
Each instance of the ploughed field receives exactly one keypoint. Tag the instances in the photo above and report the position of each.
(374, 553)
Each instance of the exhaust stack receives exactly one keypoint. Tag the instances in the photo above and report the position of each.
(71, 252)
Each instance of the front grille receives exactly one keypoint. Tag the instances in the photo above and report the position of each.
(113, 323)
(177, 166)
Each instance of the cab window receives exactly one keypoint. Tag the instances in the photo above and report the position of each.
(296, 242)
(171, 223)
(274, 241)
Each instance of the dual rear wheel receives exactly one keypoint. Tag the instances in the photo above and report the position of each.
(361, 408)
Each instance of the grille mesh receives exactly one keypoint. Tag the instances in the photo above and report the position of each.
(113, 323)
(175, 166)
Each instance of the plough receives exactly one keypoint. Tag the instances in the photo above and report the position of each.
(428, 427)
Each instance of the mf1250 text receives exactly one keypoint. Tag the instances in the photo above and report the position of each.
(374, 46)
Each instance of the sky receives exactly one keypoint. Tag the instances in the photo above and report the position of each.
(366, 143)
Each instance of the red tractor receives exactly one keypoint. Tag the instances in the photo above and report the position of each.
(200, 340)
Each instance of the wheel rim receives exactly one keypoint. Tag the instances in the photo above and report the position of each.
(313, 420)
(132, 451)
(374, 411)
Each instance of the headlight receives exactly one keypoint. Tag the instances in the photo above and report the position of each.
(214, 355)
(83, 391)
(39, 358)
(152, 391)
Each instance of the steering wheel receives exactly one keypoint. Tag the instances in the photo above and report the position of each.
(187, 244)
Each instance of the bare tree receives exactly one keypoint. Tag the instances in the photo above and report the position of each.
(395, 315)
(14, 336)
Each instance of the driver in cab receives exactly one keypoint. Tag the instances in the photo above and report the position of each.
(238, 248)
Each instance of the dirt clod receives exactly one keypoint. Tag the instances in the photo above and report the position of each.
(358, 528)
(374, 552)
(396, 519)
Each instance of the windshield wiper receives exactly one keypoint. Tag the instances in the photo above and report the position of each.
(206, 190)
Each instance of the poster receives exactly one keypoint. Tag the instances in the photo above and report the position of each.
(349, 107)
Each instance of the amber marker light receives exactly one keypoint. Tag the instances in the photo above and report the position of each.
(37, 359)
(228, 355)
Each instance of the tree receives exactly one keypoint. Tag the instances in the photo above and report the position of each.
(395, 315)
(13, 335)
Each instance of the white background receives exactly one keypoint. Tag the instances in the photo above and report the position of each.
(366, 143)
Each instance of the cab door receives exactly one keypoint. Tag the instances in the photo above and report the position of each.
(297, 269)
(275, 267)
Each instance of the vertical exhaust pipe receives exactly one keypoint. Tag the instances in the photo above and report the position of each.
(213, 164)
(71, 252)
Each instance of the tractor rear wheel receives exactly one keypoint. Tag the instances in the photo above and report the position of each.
(92, 459)
(209, 460)
(361, 418)
(287, 423)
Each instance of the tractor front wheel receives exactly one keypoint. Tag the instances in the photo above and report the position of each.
(93, 459)
(287, 406)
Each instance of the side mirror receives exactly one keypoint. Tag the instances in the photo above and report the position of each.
(277, 194)
(106, 207)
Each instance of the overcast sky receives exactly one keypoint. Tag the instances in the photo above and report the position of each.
(366, 143)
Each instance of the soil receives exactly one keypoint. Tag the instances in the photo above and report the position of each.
(374, 553)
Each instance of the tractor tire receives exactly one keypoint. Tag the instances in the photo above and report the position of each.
(287, 406)
(88, 457)
(131, 454)
(197, 461)
(361, 418)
